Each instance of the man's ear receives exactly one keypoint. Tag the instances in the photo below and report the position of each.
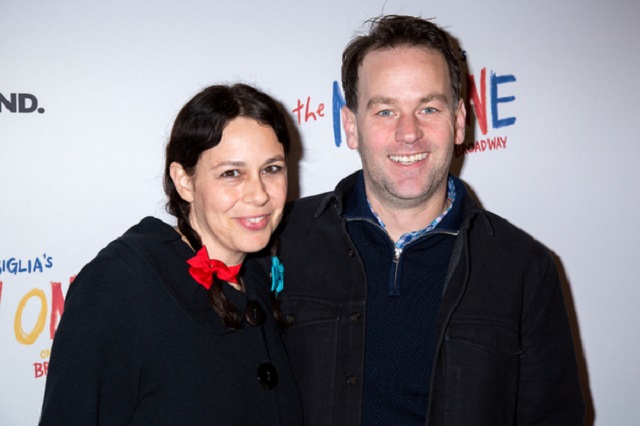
(350, 127)
(182, 181)
(461, 117)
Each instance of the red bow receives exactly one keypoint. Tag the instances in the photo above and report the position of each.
(202, 269)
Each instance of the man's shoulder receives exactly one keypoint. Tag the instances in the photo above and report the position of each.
(318, 204)
(312, 200)
(310, 205)
(310, 216)
(509, 236)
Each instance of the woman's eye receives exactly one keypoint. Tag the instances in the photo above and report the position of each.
(230, 173)
(270, 170)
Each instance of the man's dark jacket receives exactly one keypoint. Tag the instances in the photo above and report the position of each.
(504, 352)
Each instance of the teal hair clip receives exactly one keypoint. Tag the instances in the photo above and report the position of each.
(277, 275)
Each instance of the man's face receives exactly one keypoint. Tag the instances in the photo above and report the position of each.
(406, 125)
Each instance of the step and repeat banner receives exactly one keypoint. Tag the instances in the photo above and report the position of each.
(89, 91)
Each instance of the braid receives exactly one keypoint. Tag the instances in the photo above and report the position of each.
(226, 310)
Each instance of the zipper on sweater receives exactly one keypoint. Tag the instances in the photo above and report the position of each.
(396, 257)
(395, 274)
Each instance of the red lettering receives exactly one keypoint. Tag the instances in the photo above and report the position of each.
(40, 369)
(481, 146)
(479, 101)
(297, 110)
(57, 307)
(308, 112)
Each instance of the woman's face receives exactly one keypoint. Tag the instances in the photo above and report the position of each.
(238, 190)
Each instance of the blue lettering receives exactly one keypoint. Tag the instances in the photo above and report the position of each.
(495, 100)
(338, 102)
(19, 266)
(37, 265)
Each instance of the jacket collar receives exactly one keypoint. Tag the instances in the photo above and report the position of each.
(338, 197)
(472, 210)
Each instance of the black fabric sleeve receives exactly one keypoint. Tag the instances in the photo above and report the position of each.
(549, 389)
(98, 351)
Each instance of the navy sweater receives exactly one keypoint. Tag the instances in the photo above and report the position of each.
(403, 302)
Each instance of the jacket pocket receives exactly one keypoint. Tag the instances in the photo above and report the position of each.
(311, 340)
(304, 312)
(493, 336)
(481, 359)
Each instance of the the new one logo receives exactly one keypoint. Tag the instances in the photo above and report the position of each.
(478, 104)
(20, 103)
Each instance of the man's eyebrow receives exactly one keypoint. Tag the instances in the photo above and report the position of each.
(377, 100)
(384, 100)
(435, 97)
(381, 100)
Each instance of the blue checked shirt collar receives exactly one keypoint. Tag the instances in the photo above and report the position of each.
(410, 236)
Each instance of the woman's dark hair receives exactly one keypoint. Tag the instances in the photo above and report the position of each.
(199, 127)
(392, 31)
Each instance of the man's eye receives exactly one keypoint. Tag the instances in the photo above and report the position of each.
(384, 113)
(429, 110)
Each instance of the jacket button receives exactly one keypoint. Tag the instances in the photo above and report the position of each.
(267, 375)
(254, 314)
(351, 380)
(291, 319)
(350, 252)
(355, 316)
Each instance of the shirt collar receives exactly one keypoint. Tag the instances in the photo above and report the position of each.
(410, 236)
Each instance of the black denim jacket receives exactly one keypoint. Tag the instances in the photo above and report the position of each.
(504, 352)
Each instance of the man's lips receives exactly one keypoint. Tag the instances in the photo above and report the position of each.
(408, 159)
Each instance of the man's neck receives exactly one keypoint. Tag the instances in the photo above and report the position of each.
(399, 220)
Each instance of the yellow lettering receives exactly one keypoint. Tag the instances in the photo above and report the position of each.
(30, 338)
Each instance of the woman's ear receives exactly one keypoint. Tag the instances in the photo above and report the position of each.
(182, 181)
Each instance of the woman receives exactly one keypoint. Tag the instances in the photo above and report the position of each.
(163, 327)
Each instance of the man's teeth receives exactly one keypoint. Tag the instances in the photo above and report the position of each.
(408, 159)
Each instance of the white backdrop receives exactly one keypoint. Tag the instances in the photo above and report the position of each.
(90, 89)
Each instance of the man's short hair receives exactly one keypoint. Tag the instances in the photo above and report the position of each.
(391, 31)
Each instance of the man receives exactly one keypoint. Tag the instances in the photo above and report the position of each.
(408, 304)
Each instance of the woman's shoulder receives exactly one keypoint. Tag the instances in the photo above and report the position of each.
(149, 238)
(149, 242)
(149, 230)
